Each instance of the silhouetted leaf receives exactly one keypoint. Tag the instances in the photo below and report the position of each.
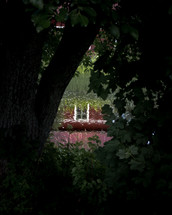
(115, 31)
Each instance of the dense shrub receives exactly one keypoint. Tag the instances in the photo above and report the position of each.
(64, 179)
(138, 165)
(93, 180)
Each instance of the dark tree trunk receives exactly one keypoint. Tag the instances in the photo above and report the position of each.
(74, 44)
(25, 106)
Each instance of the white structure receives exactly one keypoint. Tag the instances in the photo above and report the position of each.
(81, 114)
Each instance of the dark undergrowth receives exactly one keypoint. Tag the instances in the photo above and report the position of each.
(72, 180)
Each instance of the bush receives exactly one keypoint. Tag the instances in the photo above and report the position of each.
(138, 166)
(63, 179)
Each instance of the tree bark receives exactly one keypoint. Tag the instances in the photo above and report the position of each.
(74, 44)
(20, 54)
(25, 105)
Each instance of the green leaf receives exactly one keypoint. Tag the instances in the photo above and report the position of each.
(133, 149)
(114, 30)
(41, 21)
(90, 11)
(170, 10)
(137, 165)
(77, 18)
(122, 154)
(120, 124)
(74, 17)
(126, 137)
(134, 33)
(99, 181)
(36, 3)
(128, 29)
(62, 16)
(83, 20)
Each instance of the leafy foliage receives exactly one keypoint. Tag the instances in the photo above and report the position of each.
(63, 175)
(135, 73)
(76, 12)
